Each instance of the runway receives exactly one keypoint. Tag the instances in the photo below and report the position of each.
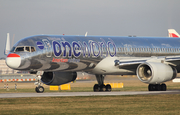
(62, 94)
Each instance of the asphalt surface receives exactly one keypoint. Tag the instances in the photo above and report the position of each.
(62, 94)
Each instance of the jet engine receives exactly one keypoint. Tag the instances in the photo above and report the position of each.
(155, 73)
(58, 78)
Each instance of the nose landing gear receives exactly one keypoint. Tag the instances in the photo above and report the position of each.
(39, 88)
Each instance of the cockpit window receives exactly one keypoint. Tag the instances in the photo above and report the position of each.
(23, 49)
(19, 49)
(27, 49)
(32, 49)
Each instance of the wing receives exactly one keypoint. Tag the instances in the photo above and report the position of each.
(128, 66)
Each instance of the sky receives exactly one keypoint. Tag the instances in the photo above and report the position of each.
(23, 18)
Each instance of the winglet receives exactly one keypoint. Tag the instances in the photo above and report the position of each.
(7, 45)
(173, 33)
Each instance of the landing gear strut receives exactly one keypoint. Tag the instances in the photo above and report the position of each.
(101, 86)
(157, 87)
(39, 88)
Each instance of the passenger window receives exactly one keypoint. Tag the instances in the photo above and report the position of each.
(121, 49)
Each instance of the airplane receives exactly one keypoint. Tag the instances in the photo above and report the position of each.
(55, 59)
(173, 33)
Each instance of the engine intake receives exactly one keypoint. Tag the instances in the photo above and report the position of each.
(155, 73)
(58, 78)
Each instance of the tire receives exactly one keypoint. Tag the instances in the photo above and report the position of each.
(151, 87)
(103, 88)
(39, 89)
(158, 87)
(163, 87)
(108, 87)
(96, 88)
(36, 89)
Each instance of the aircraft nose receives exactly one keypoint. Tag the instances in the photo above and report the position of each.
(13, 60)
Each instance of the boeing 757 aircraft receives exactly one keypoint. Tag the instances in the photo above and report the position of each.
(55, 59)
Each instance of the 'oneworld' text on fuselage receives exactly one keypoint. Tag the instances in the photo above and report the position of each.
(77, 48)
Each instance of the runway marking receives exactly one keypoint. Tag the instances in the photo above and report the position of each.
(62, 94)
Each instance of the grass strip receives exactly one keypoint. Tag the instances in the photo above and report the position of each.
(96, 105)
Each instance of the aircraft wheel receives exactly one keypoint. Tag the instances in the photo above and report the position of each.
(39, 89)
(151, 87)
(158, 87)
(36, 89)
(163, 87)
(96, 88)
(108, 87)
(103, 88)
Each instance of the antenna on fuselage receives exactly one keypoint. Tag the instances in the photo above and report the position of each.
(86, 34)
(7, 45)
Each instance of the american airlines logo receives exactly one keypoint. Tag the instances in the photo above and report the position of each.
(40, 45)
(65, 60)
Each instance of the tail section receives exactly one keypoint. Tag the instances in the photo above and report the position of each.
(173, 33)
(7, 45)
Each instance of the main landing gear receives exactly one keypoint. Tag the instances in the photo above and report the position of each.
(157, 87)
(39, 88)
(101, 86)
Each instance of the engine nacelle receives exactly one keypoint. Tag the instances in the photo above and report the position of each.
(155, 73)
(58, 78)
